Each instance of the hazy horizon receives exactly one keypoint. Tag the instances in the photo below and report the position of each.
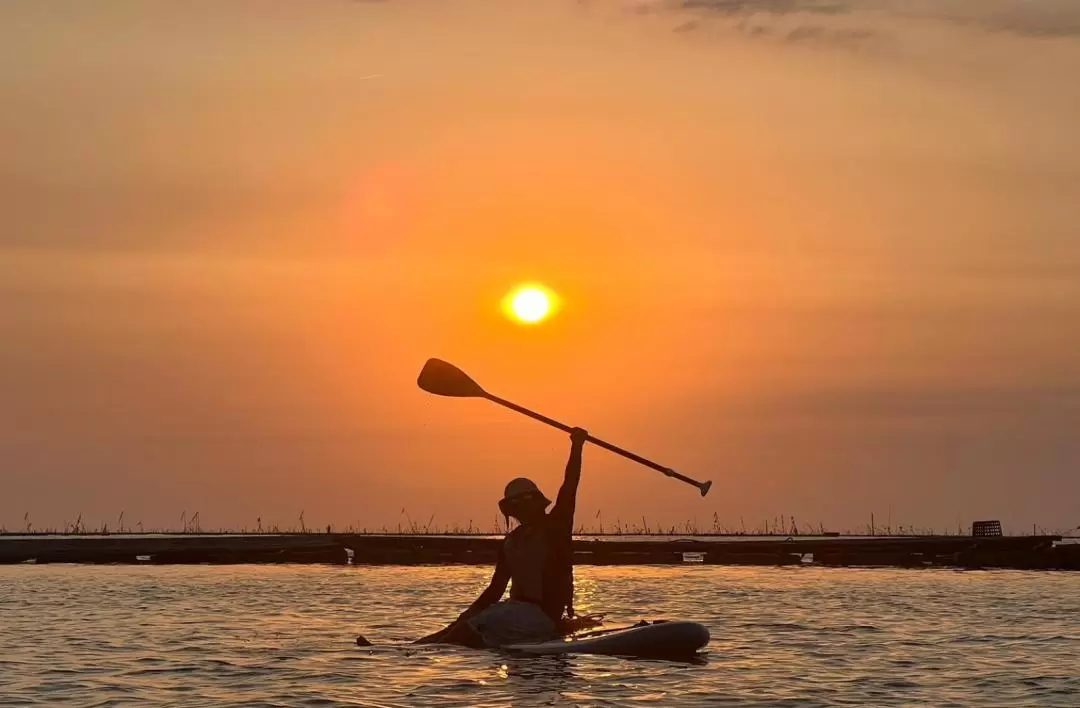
(825, 254)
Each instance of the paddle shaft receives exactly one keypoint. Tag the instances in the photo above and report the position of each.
(702, 486)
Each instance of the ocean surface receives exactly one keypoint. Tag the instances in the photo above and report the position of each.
(284, 636)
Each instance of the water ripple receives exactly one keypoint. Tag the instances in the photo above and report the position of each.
(283, 636)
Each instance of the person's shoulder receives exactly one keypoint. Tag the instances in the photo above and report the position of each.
(558, 514)
(557, 521)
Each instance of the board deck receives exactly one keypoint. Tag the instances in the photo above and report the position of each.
(654, 640)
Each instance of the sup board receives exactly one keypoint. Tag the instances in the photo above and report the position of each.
(663, 639)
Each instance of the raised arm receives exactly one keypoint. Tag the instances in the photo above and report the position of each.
(566, 501)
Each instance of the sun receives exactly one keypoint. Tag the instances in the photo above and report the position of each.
(529, 304)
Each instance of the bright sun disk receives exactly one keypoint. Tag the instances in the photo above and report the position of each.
(530, 304)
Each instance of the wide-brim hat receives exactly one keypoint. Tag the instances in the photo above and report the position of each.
(521, 490)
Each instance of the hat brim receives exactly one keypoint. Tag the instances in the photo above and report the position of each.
(518, 499)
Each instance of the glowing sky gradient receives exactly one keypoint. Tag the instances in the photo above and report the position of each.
(824, 254)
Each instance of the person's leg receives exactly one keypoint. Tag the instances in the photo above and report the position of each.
(459, 633)
(462, 634)
(515, 622)
(434, 637)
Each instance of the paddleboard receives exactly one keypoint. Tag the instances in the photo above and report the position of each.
(663, 639)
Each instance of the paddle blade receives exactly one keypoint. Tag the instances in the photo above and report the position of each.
(444, 379)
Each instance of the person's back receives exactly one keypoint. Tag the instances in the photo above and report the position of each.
(540, 557)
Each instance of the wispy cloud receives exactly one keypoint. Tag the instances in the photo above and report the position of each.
(741, 7)
(1034, 18)
(1030, 18)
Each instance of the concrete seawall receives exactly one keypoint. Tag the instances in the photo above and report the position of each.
(1021, 552)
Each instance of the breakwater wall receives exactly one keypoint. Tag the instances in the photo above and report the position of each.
(1019, 552)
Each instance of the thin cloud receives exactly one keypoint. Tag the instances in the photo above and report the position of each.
(1029, 18)
(779, 7)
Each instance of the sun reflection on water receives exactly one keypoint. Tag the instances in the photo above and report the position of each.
(284, 635)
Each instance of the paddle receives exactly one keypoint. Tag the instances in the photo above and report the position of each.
(445, 379)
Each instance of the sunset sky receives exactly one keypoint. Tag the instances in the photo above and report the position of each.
(826, 254)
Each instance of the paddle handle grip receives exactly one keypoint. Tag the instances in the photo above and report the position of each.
(703, 487)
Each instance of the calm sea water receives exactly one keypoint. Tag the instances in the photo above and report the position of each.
(283, 636)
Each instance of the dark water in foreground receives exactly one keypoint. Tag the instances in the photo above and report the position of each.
(264, 635)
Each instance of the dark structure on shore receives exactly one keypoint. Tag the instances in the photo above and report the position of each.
(1020, 552)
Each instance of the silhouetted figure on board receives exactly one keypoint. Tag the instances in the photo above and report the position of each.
(536, 560)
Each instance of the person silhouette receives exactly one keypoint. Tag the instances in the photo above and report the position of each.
(535, 559)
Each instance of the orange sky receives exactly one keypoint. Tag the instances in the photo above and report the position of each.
(828, 260)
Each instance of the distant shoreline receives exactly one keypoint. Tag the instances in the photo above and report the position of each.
(654, 536)
(580, 533)
(1016, 552)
